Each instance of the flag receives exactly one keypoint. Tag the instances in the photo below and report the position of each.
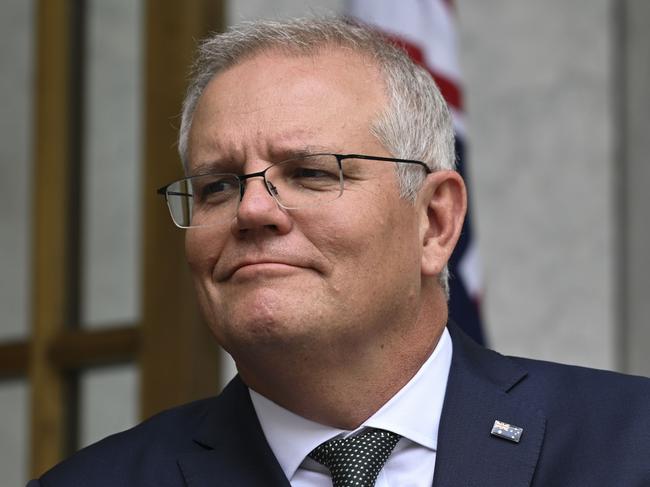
(426, 29)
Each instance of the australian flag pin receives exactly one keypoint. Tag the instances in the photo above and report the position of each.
(507, 431)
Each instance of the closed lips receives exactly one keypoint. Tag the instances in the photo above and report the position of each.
(233, 269)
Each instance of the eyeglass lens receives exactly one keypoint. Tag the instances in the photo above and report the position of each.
(214, 198)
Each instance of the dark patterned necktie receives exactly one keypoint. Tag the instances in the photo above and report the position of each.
(356, 461)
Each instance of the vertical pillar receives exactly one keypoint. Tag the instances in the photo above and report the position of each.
(50, 236)
(178, 359)
(633, 73)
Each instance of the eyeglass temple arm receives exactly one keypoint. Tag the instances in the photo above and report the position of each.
(340, 157)
(163, 191)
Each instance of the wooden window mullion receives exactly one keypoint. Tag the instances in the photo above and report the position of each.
(50, 255)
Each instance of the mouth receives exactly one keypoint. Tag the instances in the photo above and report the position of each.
(261, 268)
(264, 269)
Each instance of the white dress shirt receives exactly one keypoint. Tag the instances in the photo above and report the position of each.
(414, 413)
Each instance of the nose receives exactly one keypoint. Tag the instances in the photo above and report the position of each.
(258, 210)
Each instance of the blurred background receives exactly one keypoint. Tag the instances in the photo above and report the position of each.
(99, 326)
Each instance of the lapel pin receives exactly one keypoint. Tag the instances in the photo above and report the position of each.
(507, 431)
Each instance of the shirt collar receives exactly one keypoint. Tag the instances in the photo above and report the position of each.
(414, 413)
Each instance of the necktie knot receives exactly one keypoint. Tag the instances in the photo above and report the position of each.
(356, 460)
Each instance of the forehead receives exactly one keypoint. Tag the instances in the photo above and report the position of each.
(288, 98)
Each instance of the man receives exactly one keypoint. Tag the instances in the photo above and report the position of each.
(321, 207)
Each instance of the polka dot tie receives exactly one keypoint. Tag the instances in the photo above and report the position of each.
(356, 461)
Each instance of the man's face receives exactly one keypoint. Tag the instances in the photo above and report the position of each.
(337, 277)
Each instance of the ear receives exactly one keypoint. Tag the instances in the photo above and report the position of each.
(442, 202)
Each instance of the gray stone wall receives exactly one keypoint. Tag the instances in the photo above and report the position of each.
(540, 117)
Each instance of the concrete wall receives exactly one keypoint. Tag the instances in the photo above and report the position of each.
(540, 116)
(238, 10)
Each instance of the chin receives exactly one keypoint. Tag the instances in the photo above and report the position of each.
(279, 315)
(260, 324)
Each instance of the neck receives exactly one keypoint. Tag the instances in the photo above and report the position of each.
(345, 388)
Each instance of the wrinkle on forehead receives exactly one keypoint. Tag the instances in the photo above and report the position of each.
(275, 151)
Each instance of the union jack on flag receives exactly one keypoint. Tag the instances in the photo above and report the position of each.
(426, 29)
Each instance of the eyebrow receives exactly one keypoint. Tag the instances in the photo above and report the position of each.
(209, 167)
(228, 165)
(288, 153)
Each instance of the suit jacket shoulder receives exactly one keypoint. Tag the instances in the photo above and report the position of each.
(144, 455)
(216, 442)
(580, 426)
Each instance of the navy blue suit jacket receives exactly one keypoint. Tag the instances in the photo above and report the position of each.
(581, 428)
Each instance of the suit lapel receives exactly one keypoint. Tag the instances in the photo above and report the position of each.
(231, 447)
(480, 391)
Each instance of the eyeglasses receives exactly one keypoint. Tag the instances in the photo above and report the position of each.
(302, 182)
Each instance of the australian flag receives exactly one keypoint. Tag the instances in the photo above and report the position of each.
(426, 29)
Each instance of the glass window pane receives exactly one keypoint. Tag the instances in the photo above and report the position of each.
(111, 171)
(16, 83)
(14, 431)
(108, 402)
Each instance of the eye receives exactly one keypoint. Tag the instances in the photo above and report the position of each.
(311, 168)
(314, 173)
(305, 172)
(313, 177)
(214, 189)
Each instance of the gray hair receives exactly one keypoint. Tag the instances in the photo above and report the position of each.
(416, 123)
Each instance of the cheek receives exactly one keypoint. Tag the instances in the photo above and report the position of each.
(364, 243)
(388, 246)
(201, 252)
(202, 249)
